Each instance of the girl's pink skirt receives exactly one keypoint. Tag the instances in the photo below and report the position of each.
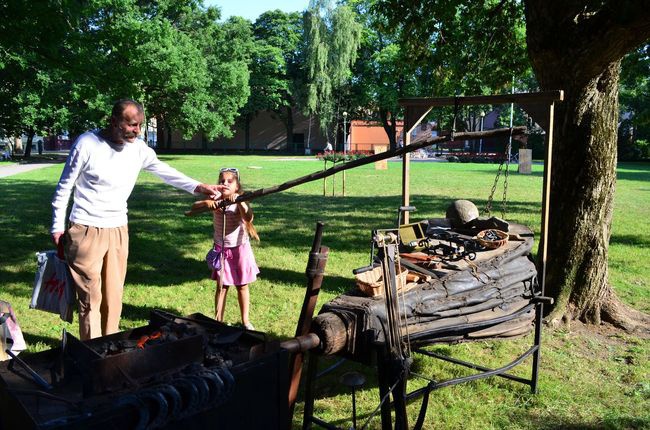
(239, 266)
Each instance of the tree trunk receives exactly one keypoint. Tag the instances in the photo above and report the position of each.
(389, 124)
(28, 145)
(289, 127)
(568, 54)
(169, 136)
(247, 132)
(582, 195)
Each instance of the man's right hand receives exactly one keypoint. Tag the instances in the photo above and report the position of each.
(56, 237)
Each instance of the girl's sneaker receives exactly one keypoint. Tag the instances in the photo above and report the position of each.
(249, 326)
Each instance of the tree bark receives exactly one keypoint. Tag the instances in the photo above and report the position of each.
(247, 132)
(28, 145)
(289, 127)
(568, 49)
(169, 136)
(390, 127)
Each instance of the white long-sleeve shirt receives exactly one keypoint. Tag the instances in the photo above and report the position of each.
(103, 175)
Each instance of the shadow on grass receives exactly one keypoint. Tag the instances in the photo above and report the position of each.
(45, 158)
(33, 339)
(628, 239)
(633, 172)
(161, 235)
(140, 313)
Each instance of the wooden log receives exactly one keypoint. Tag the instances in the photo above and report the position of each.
(539, 97)
(332, 332)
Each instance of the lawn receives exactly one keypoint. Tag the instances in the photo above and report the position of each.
(589, 377)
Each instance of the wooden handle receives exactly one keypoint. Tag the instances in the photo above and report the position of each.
(202, 206)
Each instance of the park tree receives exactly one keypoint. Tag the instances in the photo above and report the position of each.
(332, 36)
(634, 122)
(31, 77)
(267, 85)
(577, 46)
(429, 48)
(281, 34)
(383, 73)
(175, 58)
(228, 67)
(64, 70)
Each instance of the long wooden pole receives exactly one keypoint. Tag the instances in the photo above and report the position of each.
(516, 131)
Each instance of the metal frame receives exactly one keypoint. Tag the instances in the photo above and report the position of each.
(540, 106)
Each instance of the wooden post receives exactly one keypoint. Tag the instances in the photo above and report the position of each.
(378, 149)
(315, 272)
(546, 195)
(525, 161)
(324, 178)
(406, 165)
(543, 243)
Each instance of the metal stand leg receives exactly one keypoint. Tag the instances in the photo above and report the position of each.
(399, 399)
(308, 413)
(539, 312)
(384, 390)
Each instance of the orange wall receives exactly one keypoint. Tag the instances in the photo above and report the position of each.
(365, 135)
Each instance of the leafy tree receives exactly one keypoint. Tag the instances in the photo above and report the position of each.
(382, 73)
(282, 33)
(65, 70)
(177, 60)
(576, 46)
(634, 126)
(30, 76)
(267, 84)
(332, 38)
(434, 48)
(229, 54)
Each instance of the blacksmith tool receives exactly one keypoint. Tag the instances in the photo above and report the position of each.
(35, 376)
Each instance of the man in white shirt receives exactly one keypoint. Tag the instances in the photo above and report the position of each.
(102, 168)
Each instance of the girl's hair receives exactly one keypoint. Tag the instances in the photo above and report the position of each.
(250, 228)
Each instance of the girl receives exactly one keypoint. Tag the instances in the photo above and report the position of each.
(236, 263)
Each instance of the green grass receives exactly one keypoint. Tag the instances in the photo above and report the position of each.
(596, 378)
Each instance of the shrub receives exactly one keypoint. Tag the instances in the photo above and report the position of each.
(337, 157)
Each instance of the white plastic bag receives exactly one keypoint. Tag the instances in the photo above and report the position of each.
(54, 289)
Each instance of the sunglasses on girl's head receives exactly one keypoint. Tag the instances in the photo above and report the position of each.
(230, 170)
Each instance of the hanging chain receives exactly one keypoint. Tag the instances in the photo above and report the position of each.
(488, 206)
(505, 179)
(506, 160)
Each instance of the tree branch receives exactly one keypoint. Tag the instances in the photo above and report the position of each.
(615, 29)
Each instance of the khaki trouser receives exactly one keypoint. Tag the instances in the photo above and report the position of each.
(97, 258)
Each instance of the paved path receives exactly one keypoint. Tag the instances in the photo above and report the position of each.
(14, 169)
